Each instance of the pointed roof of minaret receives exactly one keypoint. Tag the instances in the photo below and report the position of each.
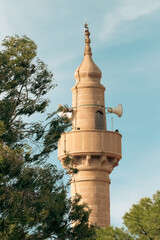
(88, 70)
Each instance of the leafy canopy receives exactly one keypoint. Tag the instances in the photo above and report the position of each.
(142, 222)
(33, 198)
(24, 80)
(143, 219)
(112, 233)
(34, 203)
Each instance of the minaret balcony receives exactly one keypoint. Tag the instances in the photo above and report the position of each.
(93, 142)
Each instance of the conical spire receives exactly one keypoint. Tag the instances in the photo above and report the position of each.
(88, 70)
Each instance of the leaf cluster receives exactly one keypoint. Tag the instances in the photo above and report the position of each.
(142, 222)
(24, 81)
(33, 198)
(143, 219)
(34, 203)
(111, 233)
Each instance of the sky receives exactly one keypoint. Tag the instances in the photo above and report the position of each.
(125, 41)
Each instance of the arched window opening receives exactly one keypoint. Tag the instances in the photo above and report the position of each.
(99, 120)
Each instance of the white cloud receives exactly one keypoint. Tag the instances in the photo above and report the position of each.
(127, 11)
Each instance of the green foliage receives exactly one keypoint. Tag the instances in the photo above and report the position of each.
(112, 233)
(2, 128)
(33, 198)
(24, 80)
(34, 205)
(143, 219)
(142, 222)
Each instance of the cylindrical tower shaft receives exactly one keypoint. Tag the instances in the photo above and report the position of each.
(93, 185)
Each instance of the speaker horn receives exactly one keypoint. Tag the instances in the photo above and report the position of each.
(117, 110)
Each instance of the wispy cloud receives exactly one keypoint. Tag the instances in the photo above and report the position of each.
(62, 59)
(127, 11)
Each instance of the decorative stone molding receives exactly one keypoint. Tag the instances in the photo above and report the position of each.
(88, 160)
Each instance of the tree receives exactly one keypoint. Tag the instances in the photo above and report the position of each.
(111, 233)
(33, 197)
(24, 80)
(34, 203)
(142, 222)
(143, 219)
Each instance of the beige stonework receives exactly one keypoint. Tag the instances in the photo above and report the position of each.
(95, 150)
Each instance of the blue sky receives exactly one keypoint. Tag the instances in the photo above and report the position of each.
(125, 43)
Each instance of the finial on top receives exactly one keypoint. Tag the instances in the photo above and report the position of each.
(87, 50)
(86, 24)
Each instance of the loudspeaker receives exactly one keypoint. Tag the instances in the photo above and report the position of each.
(117, 110)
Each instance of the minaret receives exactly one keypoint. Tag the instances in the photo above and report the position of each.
(95, 150)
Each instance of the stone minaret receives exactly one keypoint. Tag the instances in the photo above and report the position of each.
(95, 150)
